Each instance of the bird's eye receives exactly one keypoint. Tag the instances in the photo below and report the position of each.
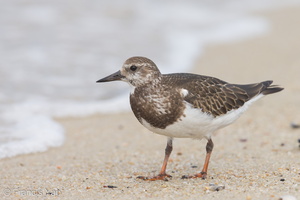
(133, 67)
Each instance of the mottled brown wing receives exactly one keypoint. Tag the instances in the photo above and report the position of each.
(214, 96)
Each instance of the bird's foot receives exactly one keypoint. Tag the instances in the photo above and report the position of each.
(163, 177)
(198, 175)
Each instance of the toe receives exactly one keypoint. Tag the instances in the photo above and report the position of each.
(198, 175)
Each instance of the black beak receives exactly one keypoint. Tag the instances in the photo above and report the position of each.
(113, 77)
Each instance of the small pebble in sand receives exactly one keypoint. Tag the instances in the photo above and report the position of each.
(282, 179)
(287, 197)
(294, 125)
(214, 187)
(243, 140)
(110, 186)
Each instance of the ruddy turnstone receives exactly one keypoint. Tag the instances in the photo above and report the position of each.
(183, 105)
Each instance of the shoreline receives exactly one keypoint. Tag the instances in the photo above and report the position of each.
(257, 157)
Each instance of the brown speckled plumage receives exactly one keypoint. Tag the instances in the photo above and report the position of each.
(213, 96)
(159, 106)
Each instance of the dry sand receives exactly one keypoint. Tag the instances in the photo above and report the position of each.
(255, 158)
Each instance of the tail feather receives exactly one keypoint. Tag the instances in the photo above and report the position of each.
(270, 89)
(264, 88)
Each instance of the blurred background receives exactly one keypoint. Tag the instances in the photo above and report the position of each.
(52, 53)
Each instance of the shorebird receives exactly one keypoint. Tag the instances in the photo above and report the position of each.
(183, 105)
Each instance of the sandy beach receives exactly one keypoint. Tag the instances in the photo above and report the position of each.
(257, 157)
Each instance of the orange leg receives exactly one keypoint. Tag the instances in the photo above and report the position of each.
(162, 174)
(203, 173)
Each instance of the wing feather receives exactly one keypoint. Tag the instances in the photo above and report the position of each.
(214, 96)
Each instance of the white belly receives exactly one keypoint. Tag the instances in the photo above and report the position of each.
(197, 124)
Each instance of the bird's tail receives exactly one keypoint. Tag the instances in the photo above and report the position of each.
(270, 89)
(264, 88)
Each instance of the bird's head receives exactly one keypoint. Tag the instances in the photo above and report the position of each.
(137, 71)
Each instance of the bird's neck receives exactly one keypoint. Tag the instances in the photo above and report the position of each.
(145, 84)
